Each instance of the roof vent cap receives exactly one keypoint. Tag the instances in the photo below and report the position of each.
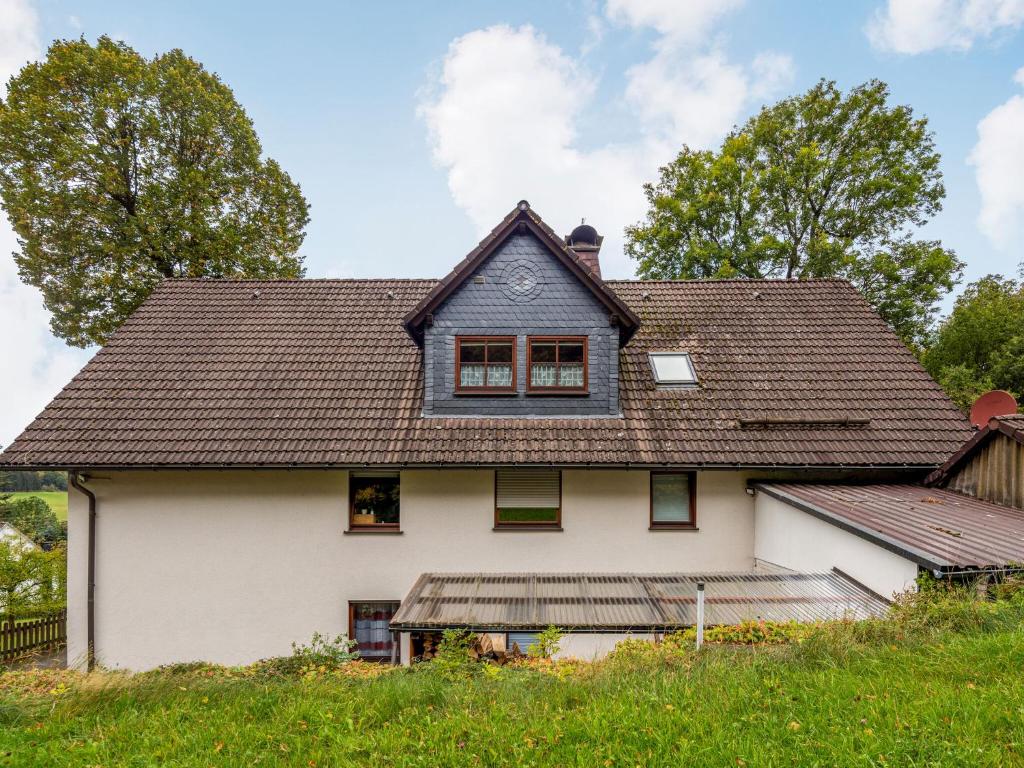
(584, 234)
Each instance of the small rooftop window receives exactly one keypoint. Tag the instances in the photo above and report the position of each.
(672, 368)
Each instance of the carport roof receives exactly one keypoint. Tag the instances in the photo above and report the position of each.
(934, 527)
(622, 602)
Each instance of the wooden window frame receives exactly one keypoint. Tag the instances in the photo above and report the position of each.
(352, 630)
(528, 525)
(662, 526)
(485, 390)
(557, 390)
(372, 527)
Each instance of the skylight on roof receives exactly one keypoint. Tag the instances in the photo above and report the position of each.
(672, 368)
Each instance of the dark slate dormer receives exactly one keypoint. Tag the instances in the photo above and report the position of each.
(524, 283)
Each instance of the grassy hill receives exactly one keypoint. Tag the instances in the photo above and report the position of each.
(865, 697)
(58, 500)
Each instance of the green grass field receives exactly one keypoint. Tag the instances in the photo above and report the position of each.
(956, 700)
(58, 500)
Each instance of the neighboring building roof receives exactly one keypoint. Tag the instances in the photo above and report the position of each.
(936, 528)
(523, 218)
(1011, 426)
(623, 602)
(322, 373)
(13, 536)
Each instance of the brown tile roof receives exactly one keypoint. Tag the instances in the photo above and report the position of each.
(933, 527)
(322, 373)
(1012, 426)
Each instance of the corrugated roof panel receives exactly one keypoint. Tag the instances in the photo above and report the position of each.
(935, 527)
(628, 601)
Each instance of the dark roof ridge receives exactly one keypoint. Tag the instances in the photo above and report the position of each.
(772, 280)
(523, 219)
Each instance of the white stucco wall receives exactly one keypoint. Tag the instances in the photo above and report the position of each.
(233, 566)
(794, 539)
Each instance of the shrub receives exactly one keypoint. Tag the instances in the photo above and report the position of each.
(322, 653)
(454, 656)
(547, 645)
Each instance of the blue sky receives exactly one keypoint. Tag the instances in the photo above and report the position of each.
(414, 127)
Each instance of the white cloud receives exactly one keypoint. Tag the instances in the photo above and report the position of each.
(916, 26)
(504, 113)
(36, 365)
(677, 22)
(998, 160)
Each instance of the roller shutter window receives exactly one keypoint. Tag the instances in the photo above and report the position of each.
(528, 497)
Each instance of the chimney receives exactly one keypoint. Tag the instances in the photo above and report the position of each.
(586, 244)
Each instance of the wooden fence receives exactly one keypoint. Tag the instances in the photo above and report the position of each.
(20, 636)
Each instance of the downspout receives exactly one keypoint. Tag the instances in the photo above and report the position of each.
(90, 621)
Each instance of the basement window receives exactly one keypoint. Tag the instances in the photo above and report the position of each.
(368, 626)
(672, 368)
(527, 499)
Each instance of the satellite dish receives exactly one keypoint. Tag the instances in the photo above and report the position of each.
(994, 403)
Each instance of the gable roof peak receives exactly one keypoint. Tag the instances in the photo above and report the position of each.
(523, 219)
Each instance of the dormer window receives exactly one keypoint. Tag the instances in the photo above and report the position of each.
(485, 364)
(557, 364)
(672, 368)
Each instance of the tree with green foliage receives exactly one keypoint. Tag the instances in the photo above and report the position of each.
(117, 171)
(980, 346)
(33, 517)
(32, 581)
(824, 184)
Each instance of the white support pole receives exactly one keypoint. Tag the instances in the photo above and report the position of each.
(700, 614)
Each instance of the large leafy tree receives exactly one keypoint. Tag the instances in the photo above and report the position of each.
(980, 346)
(824, 184)
(117, 171)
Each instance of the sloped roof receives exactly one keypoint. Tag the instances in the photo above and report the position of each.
(623, 602)
(524, 218)
(1012, 426)
(933, 527)
(322, 373)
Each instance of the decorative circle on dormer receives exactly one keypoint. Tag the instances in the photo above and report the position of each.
(521, 281)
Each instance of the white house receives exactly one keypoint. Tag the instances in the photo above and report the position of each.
(519, 444)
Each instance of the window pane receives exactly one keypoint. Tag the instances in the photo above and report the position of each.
(375, 499)
(570, 352)
(543, 375)
(471, 352)
(499, 352)
(527, 515)
(370, 630)
(673, 369)
(499, 375)
(542, 352)
(670, 499)
(471, 375)
(570, 375)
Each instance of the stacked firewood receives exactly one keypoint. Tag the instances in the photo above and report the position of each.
(490, 648)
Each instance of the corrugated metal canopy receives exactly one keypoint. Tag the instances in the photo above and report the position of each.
(618, 602)
(933, 527)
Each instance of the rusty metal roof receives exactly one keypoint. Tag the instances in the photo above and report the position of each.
(933, 527)
(621, 602)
